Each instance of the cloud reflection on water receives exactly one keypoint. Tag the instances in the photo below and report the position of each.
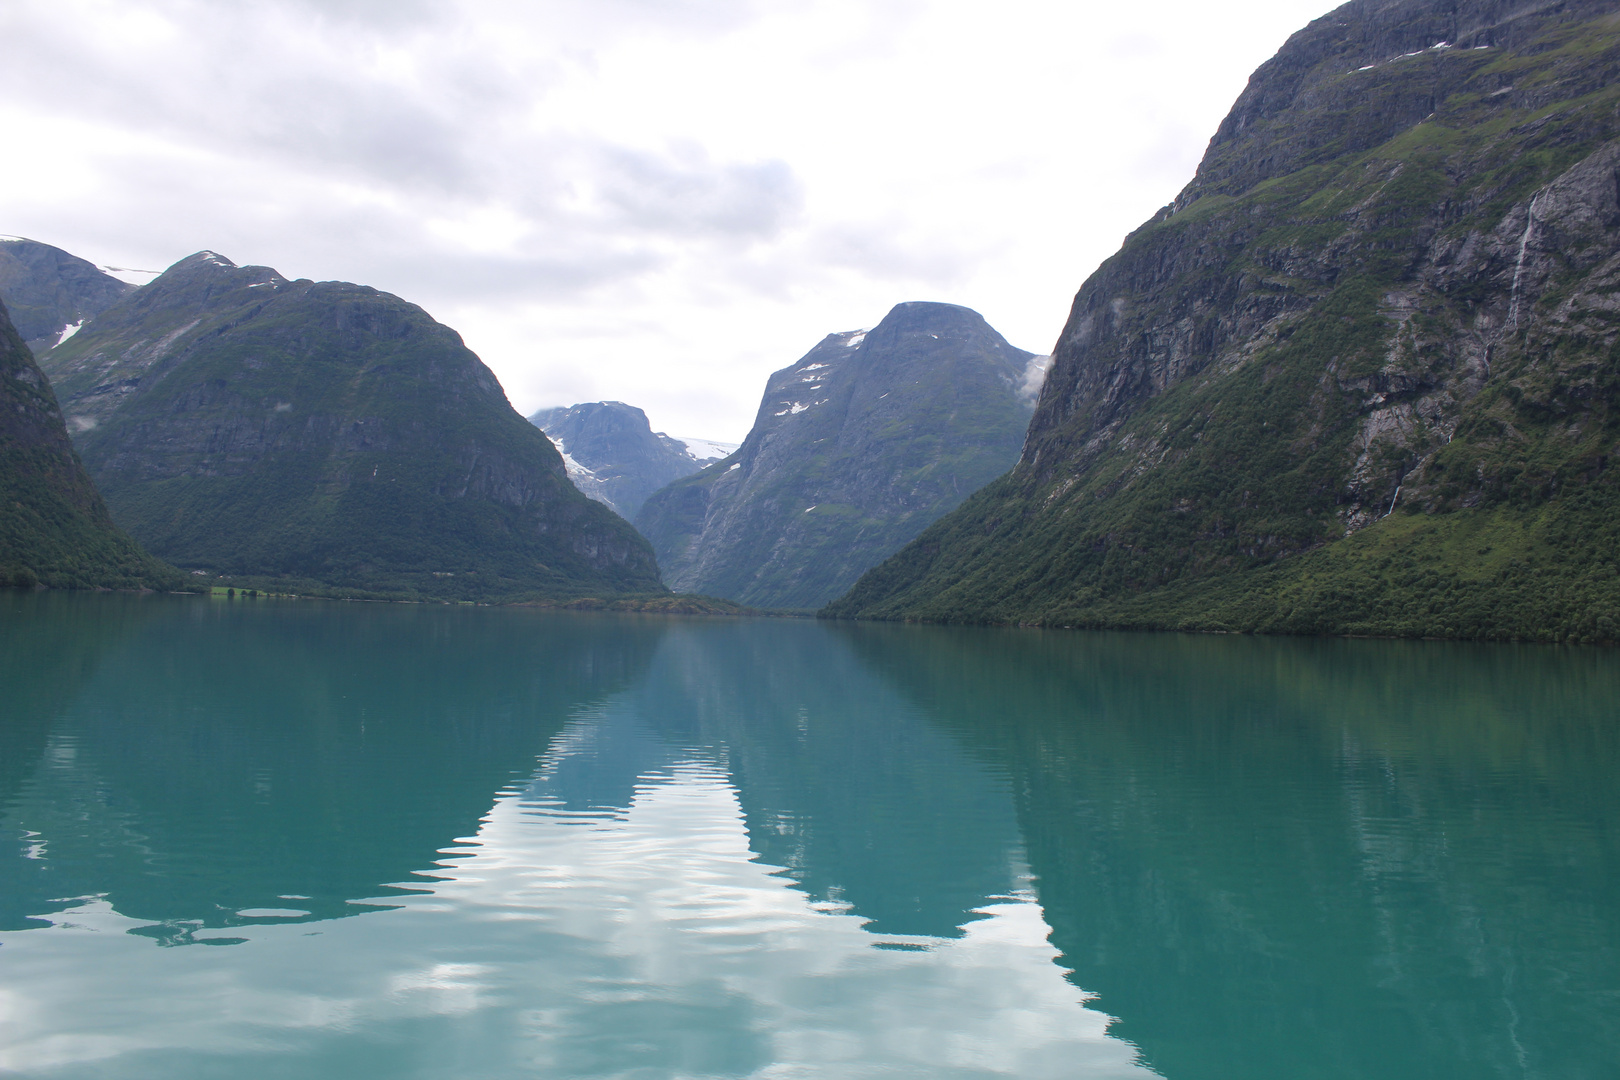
(648, 941)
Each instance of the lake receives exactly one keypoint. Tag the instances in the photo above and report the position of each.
(267, 839)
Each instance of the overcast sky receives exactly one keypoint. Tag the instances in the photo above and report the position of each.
(655, 201)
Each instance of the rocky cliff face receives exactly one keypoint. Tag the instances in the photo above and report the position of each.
(856, 448)
(1358, 377)
(321, 433)
(51, 293)
(614, 456)
(54, 528)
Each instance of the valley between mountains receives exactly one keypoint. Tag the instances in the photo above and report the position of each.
(1360, 377)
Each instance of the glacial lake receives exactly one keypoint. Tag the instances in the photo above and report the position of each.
(269, 839)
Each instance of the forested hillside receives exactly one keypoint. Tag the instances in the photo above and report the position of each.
(54, 527)
(322, 436)
(1361, 377)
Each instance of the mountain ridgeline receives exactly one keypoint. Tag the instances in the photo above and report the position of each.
(860, 445)
(50, 293)
(614, 456)
(1360, 377)
(307, 436)
(54, 527)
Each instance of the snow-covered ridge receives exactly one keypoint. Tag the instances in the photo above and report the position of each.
(129, 275)
(575, 469)
(706, 449)
(585, 479)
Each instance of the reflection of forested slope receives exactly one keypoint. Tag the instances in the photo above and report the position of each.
(1304, 858)
(841, 781)
(50, 646)
(343, 745)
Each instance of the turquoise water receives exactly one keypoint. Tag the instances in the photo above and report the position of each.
(275, 839)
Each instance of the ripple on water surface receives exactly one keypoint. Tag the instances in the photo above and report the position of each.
(477, 843)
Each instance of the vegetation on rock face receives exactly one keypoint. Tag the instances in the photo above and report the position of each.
(322, 437)
(54, 527)
(856, 448)
(1361, 377)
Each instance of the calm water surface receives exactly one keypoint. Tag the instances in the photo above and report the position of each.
(265, 839)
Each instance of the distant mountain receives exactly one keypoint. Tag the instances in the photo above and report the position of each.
(322, 435)
(614, 456)
(50, 293)
(54, 527)
(1360, 377)
(856, 448)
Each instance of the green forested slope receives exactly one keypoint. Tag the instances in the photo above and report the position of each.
(54, 528)
(1360, 378)
(323, 436)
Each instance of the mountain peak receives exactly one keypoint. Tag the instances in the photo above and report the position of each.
(325, 434)
(1364, 72)
(857, 446)
(205, 258)
(612, 453)
(50, 292)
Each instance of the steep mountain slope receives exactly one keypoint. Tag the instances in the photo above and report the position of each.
(54, 528)
(51, 293)
(1359, 378)
(307, 434)
(856, 448)
(614, 456)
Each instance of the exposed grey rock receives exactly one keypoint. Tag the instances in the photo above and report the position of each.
(613, 455)
(856, 448)
(1390, 287)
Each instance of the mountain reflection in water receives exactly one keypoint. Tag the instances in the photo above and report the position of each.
(1295, 857)
(480, 842)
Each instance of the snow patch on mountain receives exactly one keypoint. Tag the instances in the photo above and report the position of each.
(129, 275)
(706, 450)
(583, 478)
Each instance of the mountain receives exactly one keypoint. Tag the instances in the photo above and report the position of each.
(54, 527)
(856, 448)
(307, 436)
(1360, 377)
(50, 292)
(614, 456)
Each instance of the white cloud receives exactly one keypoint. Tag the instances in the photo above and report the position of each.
(658, 202)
